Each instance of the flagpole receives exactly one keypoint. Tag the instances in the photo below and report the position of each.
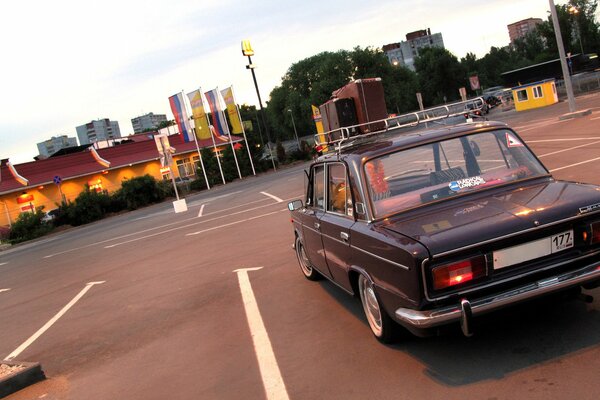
(243, 130)
(228, 132)
(216, 153)
(198, 147)
(212, 136)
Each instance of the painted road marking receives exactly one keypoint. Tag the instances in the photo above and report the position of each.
(593, 119)
(277, 199)
(574, 165)
(201, 210)
(160, 227)
(562, 140)
(48, 324)
(267, 363)
(4, 263)
(4, 290)
(232, 223)
(570, 148)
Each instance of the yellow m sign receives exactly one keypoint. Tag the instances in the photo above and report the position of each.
(247, 48)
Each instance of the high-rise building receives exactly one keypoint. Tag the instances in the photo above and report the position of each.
(149, 121)
(99, 130)
(521, 28)
(54, 144)
(404, 53)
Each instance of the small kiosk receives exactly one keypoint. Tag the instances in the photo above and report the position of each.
(535, 95)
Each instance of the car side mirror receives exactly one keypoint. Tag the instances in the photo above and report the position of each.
(295, 205)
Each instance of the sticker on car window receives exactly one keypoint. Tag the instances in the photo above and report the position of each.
(512, 141)
(455, 186)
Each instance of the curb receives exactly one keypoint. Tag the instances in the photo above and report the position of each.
(29, 375)
(575, 114)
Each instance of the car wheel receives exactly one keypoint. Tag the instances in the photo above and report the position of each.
(307, 269)
(382, 326)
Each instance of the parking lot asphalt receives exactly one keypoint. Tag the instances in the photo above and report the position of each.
(210, 304)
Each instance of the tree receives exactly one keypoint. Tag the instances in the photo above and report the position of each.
(440, 75)
(312, 80)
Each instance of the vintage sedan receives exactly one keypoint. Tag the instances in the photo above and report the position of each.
(438, 226)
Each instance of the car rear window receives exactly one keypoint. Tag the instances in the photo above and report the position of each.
(441, 170)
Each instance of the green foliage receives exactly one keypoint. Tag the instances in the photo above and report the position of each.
(88, 206)
(139, 192)
(29, 226)
(312, 80)
(440, 75)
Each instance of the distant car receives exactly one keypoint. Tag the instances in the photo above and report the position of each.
(439, 226)
(473, 109)
(50, 215)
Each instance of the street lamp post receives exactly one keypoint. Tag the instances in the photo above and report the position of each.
(249, 52)
(563, 61)
(574, 11)
(295, 131)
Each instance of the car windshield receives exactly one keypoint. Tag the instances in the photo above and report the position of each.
(435, 171)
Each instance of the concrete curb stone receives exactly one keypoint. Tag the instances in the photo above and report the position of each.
(30, 374)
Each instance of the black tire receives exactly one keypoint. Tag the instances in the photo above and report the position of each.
(382, 326)
(307, 269)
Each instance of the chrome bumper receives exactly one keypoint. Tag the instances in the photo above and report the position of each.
(468, 308)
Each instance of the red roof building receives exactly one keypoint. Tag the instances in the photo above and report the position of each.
(26, 186)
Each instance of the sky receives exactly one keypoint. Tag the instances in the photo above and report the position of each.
(68, 62)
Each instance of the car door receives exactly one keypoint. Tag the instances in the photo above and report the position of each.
(336, 223)
(311, 219)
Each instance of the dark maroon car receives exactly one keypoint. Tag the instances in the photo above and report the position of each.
(436, 227)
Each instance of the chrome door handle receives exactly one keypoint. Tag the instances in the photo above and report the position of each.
(345, 237)
(317, 225)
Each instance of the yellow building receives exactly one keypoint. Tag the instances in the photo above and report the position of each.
(27, 186)
(535, 95)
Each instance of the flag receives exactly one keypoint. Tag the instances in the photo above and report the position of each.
(220, 128)
(181, 117)
(202, 130)
(232, 111)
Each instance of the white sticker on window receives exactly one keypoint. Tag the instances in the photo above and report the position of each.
(466, 183)
(512, 141)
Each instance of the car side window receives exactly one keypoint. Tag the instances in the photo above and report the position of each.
(318, 192)
(337, 185)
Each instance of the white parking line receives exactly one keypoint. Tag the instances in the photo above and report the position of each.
(201, 210)
(48, 324)
(267, 363)
(574, 165)
(277, 199)
(569, 149)
(4, 290)
(593, 119)
(232, 223)
(4, 263)
(562, 140)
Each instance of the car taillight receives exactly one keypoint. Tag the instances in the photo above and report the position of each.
(459, 272)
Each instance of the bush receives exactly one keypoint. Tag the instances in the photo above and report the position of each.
(89, 206)
(139, 192)
(29, 226)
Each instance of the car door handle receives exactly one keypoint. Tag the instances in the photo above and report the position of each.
(317, 226)
(345, 237)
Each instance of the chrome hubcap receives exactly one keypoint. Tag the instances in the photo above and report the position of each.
(370, 305)
(303, 260)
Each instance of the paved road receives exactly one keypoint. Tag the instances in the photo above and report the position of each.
(169, 320)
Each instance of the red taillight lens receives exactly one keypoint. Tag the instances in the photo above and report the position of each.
(458, 272)
(595, 233)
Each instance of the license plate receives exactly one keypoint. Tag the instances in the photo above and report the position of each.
(532, 250)
(562, 241)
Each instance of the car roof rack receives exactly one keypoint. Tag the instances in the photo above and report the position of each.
(337, 137)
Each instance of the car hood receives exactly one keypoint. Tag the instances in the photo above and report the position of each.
(454, 224)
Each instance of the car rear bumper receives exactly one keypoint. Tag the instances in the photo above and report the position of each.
(468, 308)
